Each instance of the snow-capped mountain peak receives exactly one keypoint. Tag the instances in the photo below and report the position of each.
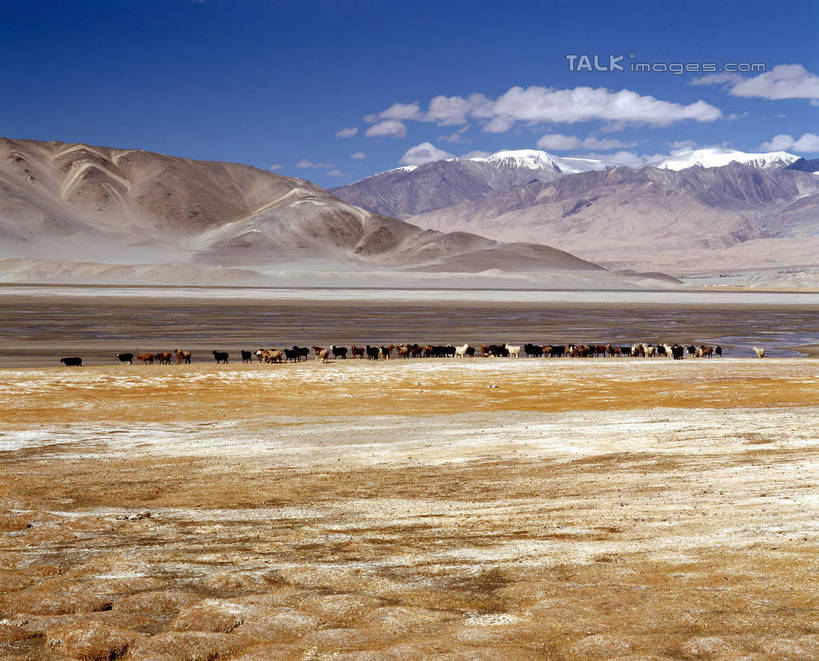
(535, 159)
(714, 157)
(531, 159)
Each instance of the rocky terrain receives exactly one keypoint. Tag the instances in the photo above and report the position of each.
(69, 211)
(681, 217)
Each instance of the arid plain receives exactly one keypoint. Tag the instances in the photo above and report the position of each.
(459, 509)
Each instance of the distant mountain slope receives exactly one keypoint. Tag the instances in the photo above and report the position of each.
(405, 192)
(413, 190)
(78, 203)
(687, 221)
(805, 165)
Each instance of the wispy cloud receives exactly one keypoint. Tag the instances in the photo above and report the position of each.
(784, 81)
(541, 105)
(276, 166)
(559, 142)
(389, 128)
(347, 133)
(335, 173)
(360, 155)
(305, 163)
(809, 142)
(458, 136)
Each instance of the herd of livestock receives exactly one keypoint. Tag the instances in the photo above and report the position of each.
(406, 351)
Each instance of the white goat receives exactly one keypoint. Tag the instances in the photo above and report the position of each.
(514, 352)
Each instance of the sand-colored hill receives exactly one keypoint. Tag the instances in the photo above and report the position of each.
(75, 211)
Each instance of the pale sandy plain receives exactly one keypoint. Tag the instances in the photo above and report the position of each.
(426, 509)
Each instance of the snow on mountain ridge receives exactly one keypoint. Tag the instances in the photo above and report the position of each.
(535, 159)
(714, 157)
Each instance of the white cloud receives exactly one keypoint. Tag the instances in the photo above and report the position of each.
(360, 155)
(540, 105)
(717, 79)
(347, 133)
(612, 127)
(336, 173)
(809, 142)
(784, 81)
(276, 166)
(423, 153)
(389, 128)
(402, 111)
(447, 110)
(627, 158)
(476, 154)
(560, 142)
(457, 136)
(304, 163)
(499, 125)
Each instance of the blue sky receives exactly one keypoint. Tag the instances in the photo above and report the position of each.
(272, 83)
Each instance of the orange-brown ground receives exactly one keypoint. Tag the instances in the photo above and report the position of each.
(411, 510)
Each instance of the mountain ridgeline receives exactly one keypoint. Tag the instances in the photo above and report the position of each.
(75, 208)
(758, 211)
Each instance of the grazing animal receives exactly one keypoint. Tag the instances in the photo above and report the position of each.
(677, 352)
(275, 356)
(146, 358)
(460, 352)
(324, 355)
(164, 357)
(247, 356)
(357, 351)
(181, 357)
(533, 350)
(372, 352)
(125, 358)
(513, 351)
(221, 357)
(759, 351)
(303, 352)
(669, 350)
(317, 350)
(718, 350)
(73, 361)
(292, 355)
(339, 352)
